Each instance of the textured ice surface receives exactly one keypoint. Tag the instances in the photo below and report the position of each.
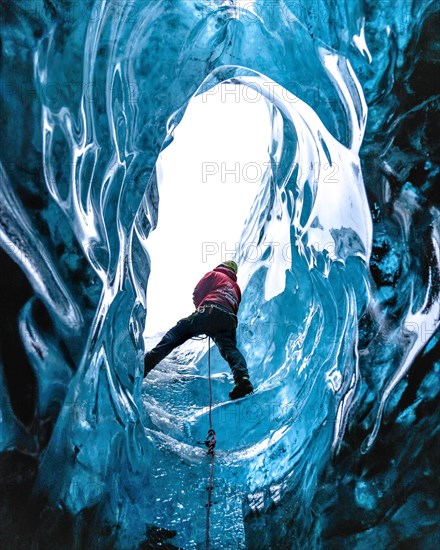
(101, 90)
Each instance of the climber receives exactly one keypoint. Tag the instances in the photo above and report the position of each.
(216, 298)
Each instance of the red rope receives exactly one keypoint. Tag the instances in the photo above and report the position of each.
(210, 442)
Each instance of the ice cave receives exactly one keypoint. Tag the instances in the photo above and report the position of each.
(145, 142)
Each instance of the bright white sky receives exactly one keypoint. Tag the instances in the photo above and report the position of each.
(202, 207)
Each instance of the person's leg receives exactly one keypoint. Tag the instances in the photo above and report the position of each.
(184, 329)
(222, 330)
(227, 344)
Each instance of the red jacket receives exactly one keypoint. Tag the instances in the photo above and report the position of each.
(219, 287)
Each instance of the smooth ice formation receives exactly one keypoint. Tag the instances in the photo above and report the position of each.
(328, 345)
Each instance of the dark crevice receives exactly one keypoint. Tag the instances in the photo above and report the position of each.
(15, 291)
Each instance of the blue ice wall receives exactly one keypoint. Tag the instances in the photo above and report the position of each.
(91, 95)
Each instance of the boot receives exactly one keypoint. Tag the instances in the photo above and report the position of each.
(242, 387)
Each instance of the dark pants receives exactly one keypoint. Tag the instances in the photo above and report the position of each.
(213, 322)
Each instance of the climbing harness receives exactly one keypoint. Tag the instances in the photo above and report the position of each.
(210, 442)
(209, 306)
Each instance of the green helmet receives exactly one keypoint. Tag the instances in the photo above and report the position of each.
(231, 264)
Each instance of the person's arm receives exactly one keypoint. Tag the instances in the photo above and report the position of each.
(239, 294)
(202, 288)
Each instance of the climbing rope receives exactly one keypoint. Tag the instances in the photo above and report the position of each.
(210, 442)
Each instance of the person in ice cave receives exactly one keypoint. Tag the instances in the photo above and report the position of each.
(216, 297)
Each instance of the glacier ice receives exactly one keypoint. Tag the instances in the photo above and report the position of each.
(341, 339)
